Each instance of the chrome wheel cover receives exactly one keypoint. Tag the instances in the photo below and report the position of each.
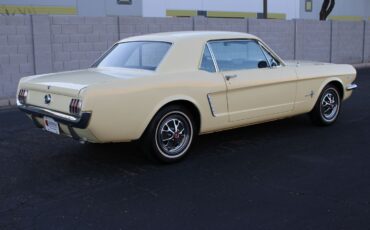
(174, 134)
(329, 106)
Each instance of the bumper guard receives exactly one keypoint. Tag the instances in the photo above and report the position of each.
(351, 86)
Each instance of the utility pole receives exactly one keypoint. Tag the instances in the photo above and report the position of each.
(265, 9)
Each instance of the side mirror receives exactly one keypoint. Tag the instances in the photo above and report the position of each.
(273, 63)
(262, 64)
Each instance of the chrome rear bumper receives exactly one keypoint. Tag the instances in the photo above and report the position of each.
(80, 122)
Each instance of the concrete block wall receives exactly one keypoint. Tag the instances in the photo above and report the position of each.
(16, 52)
(313, 40)
(367, 42)
(132, 26)
(220, 24)
(76, 42)
(42, 44)
(347, 42)
(278, 34)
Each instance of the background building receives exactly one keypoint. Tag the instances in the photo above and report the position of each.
(278, 9)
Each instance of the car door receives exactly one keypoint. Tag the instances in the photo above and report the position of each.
(256, 86)
(216, 95)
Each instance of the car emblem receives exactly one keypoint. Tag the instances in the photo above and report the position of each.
(311, 94)
(47, 98)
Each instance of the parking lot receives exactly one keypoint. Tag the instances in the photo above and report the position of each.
(286, 174)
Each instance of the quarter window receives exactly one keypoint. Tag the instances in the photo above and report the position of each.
(207, 62)
(271, 60)
(237, 55)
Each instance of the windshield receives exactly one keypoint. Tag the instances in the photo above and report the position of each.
(135, 55)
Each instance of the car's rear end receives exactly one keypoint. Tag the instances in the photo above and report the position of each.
(93, 104)
(54, 102)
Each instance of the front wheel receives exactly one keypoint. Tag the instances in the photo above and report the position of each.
(327, 107)
(170, 134)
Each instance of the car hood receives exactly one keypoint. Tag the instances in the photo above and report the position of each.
(72, 82)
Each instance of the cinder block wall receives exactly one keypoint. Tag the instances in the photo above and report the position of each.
(77, 41)
(278, 34)
(313, 40)
(131, 26)
(367, 42)
(16, 52)
(347, 42)
(43, 44)
(220, 24)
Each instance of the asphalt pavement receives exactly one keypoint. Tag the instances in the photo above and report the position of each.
(287, 174)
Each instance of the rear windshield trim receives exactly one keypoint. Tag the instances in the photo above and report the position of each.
(105, 54)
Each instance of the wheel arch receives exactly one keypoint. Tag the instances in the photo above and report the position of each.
(339, 86)
(337, 82)
(185, 101)
(316, 112)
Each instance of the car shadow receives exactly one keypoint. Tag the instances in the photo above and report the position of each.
(250, 136)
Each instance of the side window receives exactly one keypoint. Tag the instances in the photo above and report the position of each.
(271, 60)
(207, 62)
(237, 55)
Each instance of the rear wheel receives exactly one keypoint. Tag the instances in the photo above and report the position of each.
(327, 107)
(170, 134)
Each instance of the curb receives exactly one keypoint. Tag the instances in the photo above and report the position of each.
(7, 102)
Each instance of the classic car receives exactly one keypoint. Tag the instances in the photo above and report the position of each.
(165, 89)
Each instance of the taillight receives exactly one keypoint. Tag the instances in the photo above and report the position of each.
(22, 96)
(75, 106)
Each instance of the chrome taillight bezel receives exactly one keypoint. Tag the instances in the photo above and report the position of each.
(22, 96)
(75, 106)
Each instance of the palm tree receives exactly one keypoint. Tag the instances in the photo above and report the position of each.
(326, 9)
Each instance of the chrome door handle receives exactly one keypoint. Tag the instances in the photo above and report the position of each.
(228, 77)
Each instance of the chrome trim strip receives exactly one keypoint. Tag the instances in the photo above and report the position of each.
(351, 86)
(106, 53)
(213, 57)
(272, 53)
(265, 49)
(211, 105)
(228, 77)
(49, 112)
(264, 54)
(78, 122)
(264, 45)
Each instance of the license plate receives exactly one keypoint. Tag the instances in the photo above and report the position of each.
(51, 125)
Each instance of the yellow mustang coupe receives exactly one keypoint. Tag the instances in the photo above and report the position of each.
(164, 89)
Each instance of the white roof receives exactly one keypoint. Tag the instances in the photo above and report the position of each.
(190, 35)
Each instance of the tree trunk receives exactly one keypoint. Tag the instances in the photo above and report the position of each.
(326, 9)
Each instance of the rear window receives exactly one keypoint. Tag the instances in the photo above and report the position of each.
(135, 55)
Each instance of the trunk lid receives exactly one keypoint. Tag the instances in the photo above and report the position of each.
(72, 82)
(65, 86)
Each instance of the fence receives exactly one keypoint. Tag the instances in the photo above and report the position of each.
(36, 44)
